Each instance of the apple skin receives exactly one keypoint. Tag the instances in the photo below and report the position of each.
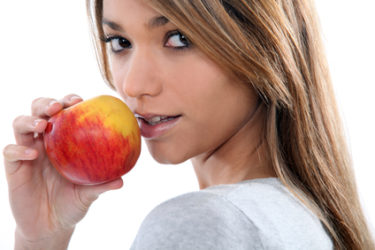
(94, 141)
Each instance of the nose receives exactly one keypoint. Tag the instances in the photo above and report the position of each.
(141, 75)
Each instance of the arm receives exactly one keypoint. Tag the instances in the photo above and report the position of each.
(58, 242)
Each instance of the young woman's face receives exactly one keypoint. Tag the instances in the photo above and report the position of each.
(187, 106)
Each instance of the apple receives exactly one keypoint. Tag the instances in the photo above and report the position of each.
(94, 141)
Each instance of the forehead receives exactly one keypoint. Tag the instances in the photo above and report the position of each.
(127, 10)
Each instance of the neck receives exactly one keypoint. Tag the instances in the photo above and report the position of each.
(242, 157)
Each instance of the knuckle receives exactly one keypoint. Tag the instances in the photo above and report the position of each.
(65, 99)
(18, 120)
(7, 149)
(40, 105)
(69, 96)
(36, 101)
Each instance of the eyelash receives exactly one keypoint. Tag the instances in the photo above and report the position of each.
(110, 39)
(170, 34)
(182, 37)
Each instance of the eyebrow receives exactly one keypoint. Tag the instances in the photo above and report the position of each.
(157, 22)
(154, 22)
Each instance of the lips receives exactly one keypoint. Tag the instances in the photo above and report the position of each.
(153, 126)
(158, 119)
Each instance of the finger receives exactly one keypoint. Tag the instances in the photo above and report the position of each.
(45, 107)
(29, 124)
(70, 100)
(14, 154)
(25, 127)
(88, 194)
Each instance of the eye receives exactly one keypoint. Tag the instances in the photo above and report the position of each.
(177, 40)
(118, 43)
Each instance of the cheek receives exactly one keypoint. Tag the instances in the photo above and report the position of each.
(118, 74)
(218, 106)
(215, 107)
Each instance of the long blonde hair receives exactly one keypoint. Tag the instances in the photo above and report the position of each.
(275, 47)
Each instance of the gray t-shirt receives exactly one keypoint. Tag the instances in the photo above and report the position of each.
(253, 214)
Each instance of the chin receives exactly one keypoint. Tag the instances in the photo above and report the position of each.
(166, 156)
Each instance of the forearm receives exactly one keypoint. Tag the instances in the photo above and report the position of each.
(60, 242)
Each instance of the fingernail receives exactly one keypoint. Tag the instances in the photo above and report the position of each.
(74, 98)
(36, 122)
(36, 135)
(51, 103)
(29, 152)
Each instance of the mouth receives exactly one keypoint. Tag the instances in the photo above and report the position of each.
(153, 126)
(157, 119)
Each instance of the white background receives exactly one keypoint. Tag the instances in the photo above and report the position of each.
(45, 50)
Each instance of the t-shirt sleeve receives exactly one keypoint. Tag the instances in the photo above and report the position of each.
(197, 220)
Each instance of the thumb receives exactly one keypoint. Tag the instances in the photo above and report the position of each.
(88, 194)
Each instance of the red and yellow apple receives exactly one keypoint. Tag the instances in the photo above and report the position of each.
(94, 141)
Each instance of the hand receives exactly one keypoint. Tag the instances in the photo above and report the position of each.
(44, 204)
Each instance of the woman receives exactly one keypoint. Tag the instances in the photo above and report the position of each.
(239, 87)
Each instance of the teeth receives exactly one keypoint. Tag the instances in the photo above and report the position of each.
(156, 119)
(159, 119)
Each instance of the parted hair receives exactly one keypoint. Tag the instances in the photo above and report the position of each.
(275, 47)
